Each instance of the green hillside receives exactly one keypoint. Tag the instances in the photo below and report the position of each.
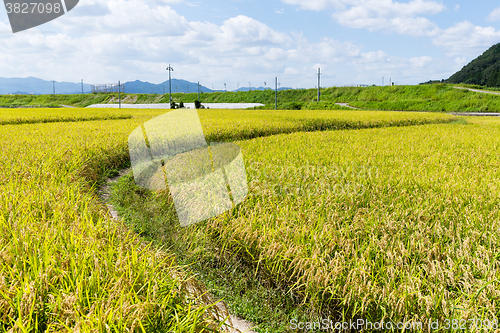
(435, 97)
(484, 70)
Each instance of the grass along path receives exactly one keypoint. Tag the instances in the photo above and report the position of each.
(235, 324)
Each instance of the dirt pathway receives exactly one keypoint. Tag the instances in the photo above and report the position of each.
(479, 91)
(238, 325)
(347, 106)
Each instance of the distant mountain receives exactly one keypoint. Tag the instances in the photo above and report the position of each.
(178, 86)
(484, 70)
(33, 85)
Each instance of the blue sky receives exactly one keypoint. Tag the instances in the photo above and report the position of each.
(252, 41)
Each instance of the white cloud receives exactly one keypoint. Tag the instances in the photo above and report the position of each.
(135, 40)
(466, 39)
(457, 7)
(316, 4)
(132, 17)
(417, 26)
(494, 15)
(243, 29)
(374, 57)
(384, 7)
(132, 39)
(461, 61)
(5, 28)
(372, 66)
(291, 71)
(420, 62)
(328, 51)
(388, 15)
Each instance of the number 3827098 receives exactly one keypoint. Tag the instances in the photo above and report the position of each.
(33, 7)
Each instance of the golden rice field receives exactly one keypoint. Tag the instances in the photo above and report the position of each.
(396, 224)
(66, 266)
(393, 224)
(17, 116)
(224, 125)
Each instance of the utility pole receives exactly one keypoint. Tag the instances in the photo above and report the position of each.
(212, 88)
(276, 95)
(119, 95)
(390, 81)
(225, 90)
(198, 90)
(319, 82)
(382, 81)
(53, 87)
(170, 69)
(249, 86)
